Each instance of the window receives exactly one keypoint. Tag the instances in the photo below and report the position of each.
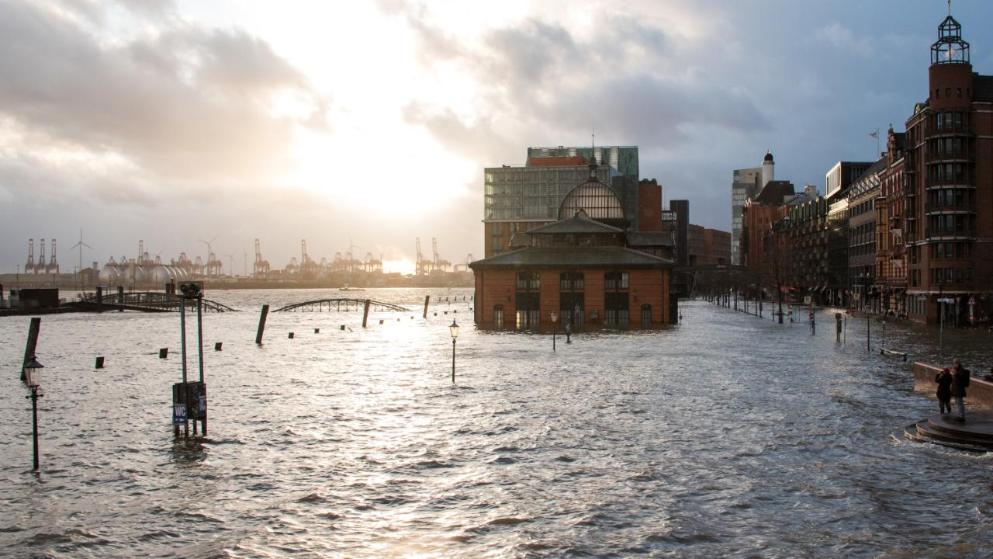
(498, 316)
(616, 280)
(646, 316)
(528, 301)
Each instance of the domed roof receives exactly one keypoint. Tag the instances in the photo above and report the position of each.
(596, 200)
(767, 158)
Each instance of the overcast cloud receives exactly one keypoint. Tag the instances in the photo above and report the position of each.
(179, 121)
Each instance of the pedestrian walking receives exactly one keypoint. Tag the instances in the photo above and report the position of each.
(960, 381)
(944, 381)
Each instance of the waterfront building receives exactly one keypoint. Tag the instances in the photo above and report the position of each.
(891, 254)
(582, 266)
(863, 236)
(746, 185)
(948, 201)
(758, 215)
(520, 198)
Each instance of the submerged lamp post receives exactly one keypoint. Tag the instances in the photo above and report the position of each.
(454, 331)
(32, 376)
(555, 327)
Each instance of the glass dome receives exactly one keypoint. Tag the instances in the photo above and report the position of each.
(596, 200)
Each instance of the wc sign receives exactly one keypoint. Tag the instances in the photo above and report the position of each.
(179, 414)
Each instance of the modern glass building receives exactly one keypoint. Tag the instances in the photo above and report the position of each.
(517, 199)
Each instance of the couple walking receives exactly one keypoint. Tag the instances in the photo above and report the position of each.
(952, 382)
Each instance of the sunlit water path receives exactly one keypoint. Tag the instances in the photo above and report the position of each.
(727, 436)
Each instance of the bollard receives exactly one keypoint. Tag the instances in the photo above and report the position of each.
(290, 336)
(217, 346)
(258, 335)
(99, 363)
(163, 352)
(317, 330)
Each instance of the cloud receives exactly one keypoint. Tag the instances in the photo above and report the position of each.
(843, 38)
(180, 103)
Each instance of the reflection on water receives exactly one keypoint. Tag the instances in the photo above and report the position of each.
(725, 436)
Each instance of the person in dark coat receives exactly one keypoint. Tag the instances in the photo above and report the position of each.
(944, 381)
(960, 380)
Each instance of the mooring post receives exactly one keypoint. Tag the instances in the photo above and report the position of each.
(99, 363)
(365, 313)
(29, 348)
(262, 317)
(837, 327)
(218, 345)
(427, 299)
(120, 296)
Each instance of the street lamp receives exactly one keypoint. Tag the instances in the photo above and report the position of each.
(555, 327)
(32, 376)
(454, 330)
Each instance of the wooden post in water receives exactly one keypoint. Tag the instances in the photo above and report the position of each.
(258, 335)
(365, 313)
(427, 299)
(99, 363)
(120, 296)
(29, 349)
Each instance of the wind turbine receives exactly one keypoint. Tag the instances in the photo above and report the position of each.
(210, 250)
(80, 246)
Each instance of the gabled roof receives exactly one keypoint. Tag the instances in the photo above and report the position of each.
(774, 191)
(573, 257)
(578, 223)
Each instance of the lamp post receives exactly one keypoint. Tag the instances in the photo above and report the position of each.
(32, 376)
(454, 331)
(555, 327)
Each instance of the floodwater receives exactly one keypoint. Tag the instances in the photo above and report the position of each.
(726, 436)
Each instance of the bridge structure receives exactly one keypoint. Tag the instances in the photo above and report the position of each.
(318, 305)
(143, 301)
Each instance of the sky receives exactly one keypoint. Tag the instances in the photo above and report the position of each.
(364, 125)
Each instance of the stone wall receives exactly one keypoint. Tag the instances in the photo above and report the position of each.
(979, 393)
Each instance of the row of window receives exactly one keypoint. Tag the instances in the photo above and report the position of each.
(951, 250)
(530, 318)
(572, 281)
(947, 146)
(949, 172)
(951, 224)
(957, 198)
(951, 120)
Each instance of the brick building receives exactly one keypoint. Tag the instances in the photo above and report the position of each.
(948, 199)
(580, 267)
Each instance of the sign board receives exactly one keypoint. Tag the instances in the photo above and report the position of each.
(178, 414)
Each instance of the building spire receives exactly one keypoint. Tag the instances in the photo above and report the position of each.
(949, 7)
